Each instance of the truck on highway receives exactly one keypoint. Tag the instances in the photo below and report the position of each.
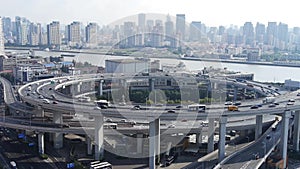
(269, 100)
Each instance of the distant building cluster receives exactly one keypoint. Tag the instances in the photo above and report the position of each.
(168, 32)
(23, 32)
(26, 67)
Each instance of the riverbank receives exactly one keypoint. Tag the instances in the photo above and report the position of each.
(176, 58)
(241, 62)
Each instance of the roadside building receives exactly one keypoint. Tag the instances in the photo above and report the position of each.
(291, 84)
(126, 66)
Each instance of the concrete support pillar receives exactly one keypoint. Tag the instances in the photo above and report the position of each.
(222, 133)
(88, 141)
(169, 146)
(41, 143)
(40, 111)
(157, 140)
(90, 86)
(101, 87)
(284, 136)
(57, 118)
(72, 89)
(296, 135)
(139, 144)
(154, 142)
(151, 84)
(58, 140)
(99, 138)
(290, 132)
(215, 85)
(235, 94)
(258, 126)
(57, 137)
(79, 87)
(210, 135)
(198, 139)
(244, 133)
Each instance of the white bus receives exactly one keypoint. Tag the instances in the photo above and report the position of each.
(102, 103)
(84, 99)
(197, 107)
(110, 125)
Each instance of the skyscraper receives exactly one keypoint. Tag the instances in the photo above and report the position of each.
(74, 37)
(53, 33)
(248, 32)
(180, 26)
(282, 32)
(169, 31)
(34, 34)
(1, 39)
(129, 31)
(195, 31)
(7, 26)
(150, 24)
(21, 30)
(271, 33)
(91, 33)
(221, 30)
(40, 33)
(260, 31)
(141, 22)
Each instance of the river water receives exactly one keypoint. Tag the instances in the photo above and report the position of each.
(261, 72)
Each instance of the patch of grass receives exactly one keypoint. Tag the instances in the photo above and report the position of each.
(44, 156)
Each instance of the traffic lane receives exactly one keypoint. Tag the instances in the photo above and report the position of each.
(248, 159)
(21, 153)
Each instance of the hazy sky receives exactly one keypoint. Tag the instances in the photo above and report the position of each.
(210, 12)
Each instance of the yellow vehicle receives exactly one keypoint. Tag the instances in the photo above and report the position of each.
(233, 108)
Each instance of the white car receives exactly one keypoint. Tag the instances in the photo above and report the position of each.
(171, 126)
(13, 164)
(97, 108)
(46, 101)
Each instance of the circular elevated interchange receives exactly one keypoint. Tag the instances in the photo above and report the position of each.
(64, 92)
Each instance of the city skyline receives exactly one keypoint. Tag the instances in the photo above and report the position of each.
(212, 13)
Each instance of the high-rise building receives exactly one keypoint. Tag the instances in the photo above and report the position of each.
(221, 30)
(282, 32)
(260, 31)
(18, 29)
(149, 24)
(91, 33)
(195, 31)
(53, 33)
(129, 31)
(33, 34)
(271, 33)
(141, 22)
(248, 32)
(1, 39)
(180, 26)
(40, 33)
(21, 30)
(155, 38)
(7, 26)
(74, 37)
(169, 32)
